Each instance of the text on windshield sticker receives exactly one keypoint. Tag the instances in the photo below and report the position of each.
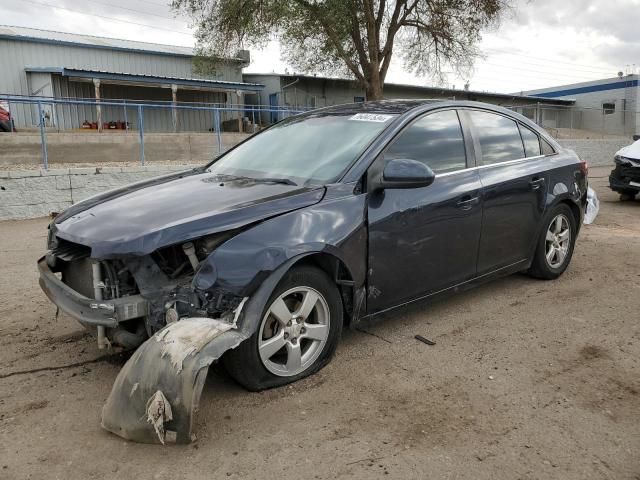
(370, 117)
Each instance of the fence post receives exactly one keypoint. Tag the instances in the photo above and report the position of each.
(571, 121)
(12, 122)
(43, 138)
(253, 118)
(126, 122)
(217, 126)
(141, 129)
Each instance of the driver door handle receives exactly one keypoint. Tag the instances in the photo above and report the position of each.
(536, 183)
(467, 202)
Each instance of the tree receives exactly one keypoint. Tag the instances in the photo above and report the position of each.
(353, 37)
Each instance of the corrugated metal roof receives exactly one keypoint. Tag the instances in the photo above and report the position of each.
(35, 34)
(143, 78)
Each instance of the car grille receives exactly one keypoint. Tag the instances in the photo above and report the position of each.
(68, 251)
(626, 173)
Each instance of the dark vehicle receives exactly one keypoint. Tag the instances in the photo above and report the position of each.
(316, 223)
(6, 122)
(625, 177)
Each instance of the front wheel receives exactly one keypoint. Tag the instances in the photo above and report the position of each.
(555, 245)
(628, 195)
(297, 335)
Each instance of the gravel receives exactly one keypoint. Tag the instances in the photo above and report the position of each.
(528, 379)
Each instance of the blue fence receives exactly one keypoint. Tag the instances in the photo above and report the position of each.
(62, 114)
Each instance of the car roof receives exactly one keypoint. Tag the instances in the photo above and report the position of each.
(378, 106)
(400, 107)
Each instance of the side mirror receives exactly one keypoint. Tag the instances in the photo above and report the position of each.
(406, 173)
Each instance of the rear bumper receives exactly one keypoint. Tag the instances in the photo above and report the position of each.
(88, 311)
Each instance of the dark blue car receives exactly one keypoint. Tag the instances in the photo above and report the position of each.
(262, 257)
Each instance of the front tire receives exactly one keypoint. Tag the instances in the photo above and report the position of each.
(628, 195)
(555, 245)
(297, 335)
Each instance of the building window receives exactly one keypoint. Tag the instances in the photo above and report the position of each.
(608, 108)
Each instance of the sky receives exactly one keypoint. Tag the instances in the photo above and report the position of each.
(541, 43)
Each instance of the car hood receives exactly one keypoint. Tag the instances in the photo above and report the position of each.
(630, 151)
(140, 218)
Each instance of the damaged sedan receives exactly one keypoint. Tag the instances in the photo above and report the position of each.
(260, 258)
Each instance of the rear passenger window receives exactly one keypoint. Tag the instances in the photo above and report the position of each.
(547, 149)
(531, 142)
(435, 140)
(499, 137)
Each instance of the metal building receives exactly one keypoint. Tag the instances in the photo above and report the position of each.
(309, 91)
(609, 105)
(62, 65)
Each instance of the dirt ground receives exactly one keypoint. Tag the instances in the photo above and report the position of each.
(528, 380)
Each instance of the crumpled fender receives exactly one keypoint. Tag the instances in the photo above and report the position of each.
(156, 394)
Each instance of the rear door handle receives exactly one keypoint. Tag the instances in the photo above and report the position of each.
(466, 202)
(536, 183)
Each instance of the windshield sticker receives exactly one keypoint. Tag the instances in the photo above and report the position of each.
(371, 117)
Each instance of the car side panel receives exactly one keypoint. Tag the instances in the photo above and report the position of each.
(567, 182)
(423, 240)
(335, 226)
(513, 205)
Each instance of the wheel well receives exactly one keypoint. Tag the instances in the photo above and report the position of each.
(339, 273)
(575, 210)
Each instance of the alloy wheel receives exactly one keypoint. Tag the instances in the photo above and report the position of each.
(557, 241)
(294, 331)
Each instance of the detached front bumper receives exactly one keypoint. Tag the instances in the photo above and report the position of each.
(88, 311)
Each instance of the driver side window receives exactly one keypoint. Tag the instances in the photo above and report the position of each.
(435, 140)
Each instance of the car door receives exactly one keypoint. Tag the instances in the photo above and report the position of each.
(425, 239)
(514, 185)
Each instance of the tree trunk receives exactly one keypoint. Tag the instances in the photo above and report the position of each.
(374, 88)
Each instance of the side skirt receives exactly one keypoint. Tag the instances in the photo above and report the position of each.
(460, 287)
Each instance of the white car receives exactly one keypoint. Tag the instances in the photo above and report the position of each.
(625, 177)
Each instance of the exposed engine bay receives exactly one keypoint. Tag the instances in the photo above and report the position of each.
(152, 290)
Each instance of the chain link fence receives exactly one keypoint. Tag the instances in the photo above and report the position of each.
(86, 132)
(576, 123)
(65, 132)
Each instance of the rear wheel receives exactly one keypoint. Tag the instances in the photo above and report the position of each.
(298, 332)
(555, 245)
(628, 195)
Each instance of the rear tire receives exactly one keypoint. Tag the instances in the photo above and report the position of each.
(555, 245)
(297, 335)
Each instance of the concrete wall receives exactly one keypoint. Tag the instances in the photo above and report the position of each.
(109, 147)
(38, 193)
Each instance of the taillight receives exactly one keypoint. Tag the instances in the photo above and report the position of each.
(584, 167)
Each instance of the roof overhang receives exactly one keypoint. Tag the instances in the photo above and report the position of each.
(132, 79)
